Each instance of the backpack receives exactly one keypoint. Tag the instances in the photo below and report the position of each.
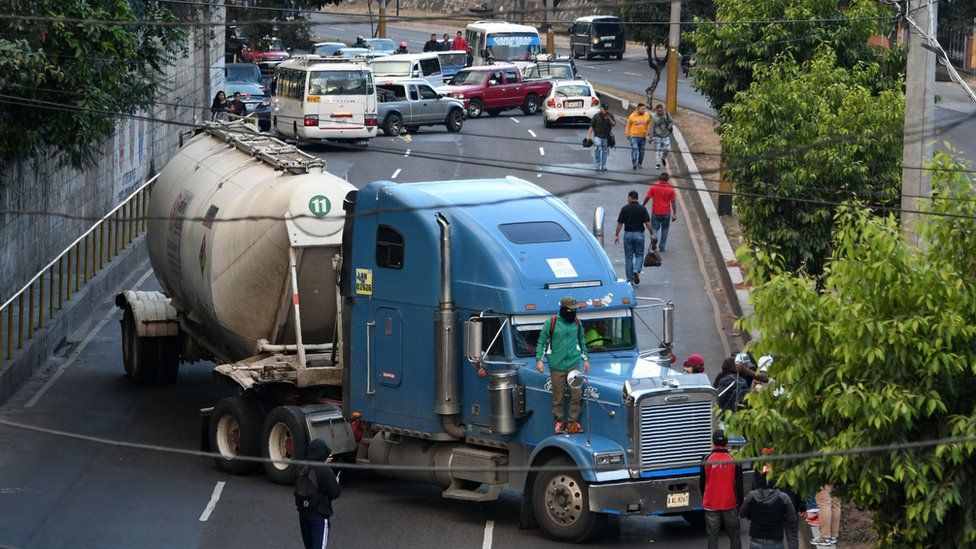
(552, 330)
(731, 398)
(307, 494)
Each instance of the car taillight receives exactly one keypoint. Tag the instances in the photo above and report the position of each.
(551, 102)
(370, 120)
(311, 120)
(594, 101)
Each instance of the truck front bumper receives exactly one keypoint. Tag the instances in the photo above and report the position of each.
(655, 496)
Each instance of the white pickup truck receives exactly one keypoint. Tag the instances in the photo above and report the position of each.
(411, 103)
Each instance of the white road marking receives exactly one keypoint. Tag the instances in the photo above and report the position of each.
(513, 119)
(337, 28)
(214, 498)
(632, 74)
(407, 153)
(489, 527)
(538, 175)
(77, 352)
(532, 133)
(396, 173)
(542, 152)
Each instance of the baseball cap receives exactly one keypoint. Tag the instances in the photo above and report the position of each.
(569, 302)
(696, 362)
(719, 438)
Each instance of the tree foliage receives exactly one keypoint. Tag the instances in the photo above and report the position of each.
(728, 54)
(63, 85)
(287, 20)
(882, 354)
(802, 137)
(650, 26)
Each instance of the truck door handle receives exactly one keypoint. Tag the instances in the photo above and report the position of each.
(369, 362)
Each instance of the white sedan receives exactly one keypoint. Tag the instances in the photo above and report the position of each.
(570, 102)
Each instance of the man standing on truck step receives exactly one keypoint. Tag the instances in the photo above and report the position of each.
(722, 481)
(638, 124)
(662, 125)
(315, 489)
(633, 218)
(562, 337)
(601, 126)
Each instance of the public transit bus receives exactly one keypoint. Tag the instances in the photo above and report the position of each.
(316, 98)
(503, 42)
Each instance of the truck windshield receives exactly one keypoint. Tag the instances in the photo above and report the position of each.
(603, 331)
(467, 78)
(337, 83)
(514, 47)
(391, 68)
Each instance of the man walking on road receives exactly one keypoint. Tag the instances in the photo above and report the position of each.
(662, 126)
(722, 479)
(562, 337)
(633, 218)
(638, 124)
(771, 513)
(663, 211)
(315, 489)
(600, 127)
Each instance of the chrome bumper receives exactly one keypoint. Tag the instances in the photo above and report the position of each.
(645, 497)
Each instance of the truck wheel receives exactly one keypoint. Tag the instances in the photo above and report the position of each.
(393, 124)
(284, 436)
(475, 108)
(561, 503)
(235, 430)
(620, 57)
(695, 518)
(455, 119)
(531, 105)
(148, 360)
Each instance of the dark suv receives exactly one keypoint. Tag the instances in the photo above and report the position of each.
(597, 35)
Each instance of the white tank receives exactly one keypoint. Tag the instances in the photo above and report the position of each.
(231, 278)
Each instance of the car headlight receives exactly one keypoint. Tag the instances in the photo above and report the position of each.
(458, 96)
(609, 458)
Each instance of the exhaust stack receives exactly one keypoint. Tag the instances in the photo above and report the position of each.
(447, 401)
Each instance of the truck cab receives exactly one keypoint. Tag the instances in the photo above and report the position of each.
(505, 263)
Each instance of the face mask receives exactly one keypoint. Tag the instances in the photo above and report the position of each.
(567, 315)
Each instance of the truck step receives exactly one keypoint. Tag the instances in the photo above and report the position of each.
(489, 465)
(455, 491)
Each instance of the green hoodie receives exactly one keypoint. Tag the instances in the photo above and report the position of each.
(567, 345)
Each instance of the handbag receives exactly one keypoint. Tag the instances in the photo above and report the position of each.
(587, 142)
(652, 259)
(611, 141)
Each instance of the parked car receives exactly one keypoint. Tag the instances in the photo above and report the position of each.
(551, 70)
(597, 35)
(353, 53)
(413, 103)
(570, 102)
(381, 46)
(254, 99)
(496, 88)
(267, 53)
(326, 49)
(452, 62)
(244, 72)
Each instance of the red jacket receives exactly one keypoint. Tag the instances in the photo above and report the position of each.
(459, 44)
(722, 479)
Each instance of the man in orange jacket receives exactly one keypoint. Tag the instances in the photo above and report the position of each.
(636, 130)
(722, 479)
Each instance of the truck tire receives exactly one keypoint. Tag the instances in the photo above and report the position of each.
(620, 57)
(695, 518)
(393, 124)
(235, 430)
(561, 503)
(475, 108)
(455, 120)
(531, 105)
(284, 436)
(148, 360)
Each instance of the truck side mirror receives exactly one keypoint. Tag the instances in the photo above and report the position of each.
(473, 340)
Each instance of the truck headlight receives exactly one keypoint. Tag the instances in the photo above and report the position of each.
(609, 458)
(458, 96)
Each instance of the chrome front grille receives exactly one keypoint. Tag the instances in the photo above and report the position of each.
(674, 435)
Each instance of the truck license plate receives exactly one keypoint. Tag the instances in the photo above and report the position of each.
(574, 104)
(678, 500)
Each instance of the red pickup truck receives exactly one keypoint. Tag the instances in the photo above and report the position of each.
(496, 88)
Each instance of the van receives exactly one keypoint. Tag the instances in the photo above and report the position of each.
(597, 35)
(503, 42)
(410, 65)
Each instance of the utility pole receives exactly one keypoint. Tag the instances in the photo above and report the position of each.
(549, 12)
(207, 29)
(381, 26)
(674, 39)
(919, 116)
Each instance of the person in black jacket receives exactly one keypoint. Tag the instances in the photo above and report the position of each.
(315, 509)
(771, 513)
(731, 387)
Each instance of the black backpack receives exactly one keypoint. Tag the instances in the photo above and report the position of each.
(307, 494)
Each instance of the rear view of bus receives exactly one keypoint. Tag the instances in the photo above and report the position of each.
(320, 100)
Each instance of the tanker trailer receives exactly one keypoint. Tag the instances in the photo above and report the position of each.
(245, 237)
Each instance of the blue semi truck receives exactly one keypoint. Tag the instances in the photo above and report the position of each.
(404, 325)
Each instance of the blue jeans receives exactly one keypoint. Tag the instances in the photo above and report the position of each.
(600, 152)
(633, 253)
(661, 223)
(637, 149)
(765, 544)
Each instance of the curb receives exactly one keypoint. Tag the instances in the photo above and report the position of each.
(731, 272)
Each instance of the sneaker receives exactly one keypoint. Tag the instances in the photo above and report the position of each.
(657, 166)
(833, 541)
(664, 161)
(635, 167)
(821, 542)
(636, 277)
(559, 427)
(639, 166)
(574, 427)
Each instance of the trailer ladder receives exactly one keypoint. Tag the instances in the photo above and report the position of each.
(280, 155)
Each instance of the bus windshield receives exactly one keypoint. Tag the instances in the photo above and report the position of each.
(337, 83)
(391, 68)
(513, 47)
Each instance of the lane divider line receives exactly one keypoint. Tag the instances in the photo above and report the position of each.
(489, 531)
(395, 174)
(407, 153)
(214, 498)
(542, 152)
(532, 133)
(513, 119)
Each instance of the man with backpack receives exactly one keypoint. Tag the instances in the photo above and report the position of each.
(771, 514)
(315, 488)
(563, 339)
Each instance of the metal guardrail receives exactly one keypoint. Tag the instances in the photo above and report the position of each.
(71, 269)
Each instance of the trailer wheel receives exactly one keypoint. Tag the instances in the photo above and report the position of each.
(148, 360)
(561, 503)
(235, 430)
(284, 436)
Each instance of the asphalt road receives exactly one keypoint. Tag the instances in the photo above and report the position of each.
(56, 491)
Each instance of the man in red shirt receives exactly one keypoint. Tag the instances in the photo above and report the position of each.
(663, 210)
(722, 479)
(459, 43)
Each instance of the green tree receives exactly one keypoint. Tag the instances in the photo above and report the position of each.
(287, 20)
(747, 38)
(803, 136)
(650, 26)
(63, 85)
(882, 354)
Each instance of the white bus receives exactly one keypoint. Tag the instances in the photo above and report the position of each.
(503, 42)
(315, 98)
